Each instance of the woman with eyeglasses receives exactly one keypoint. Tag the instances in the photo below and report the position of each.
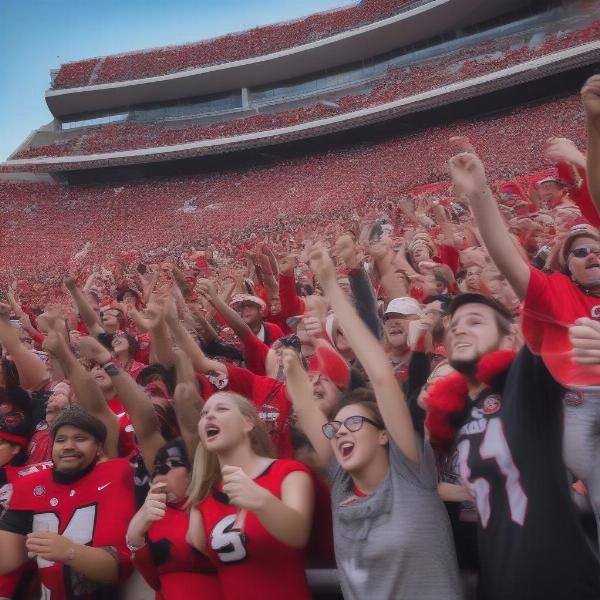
(551, 304)
(157, 533)
(392, 535)
(252, 513)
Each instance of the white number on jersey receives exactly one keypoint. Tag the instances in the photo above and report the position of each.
(494, 446)
(80, 529)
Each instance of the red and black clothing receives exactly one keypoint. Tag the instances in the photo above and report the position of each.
(531, 545)
(93, 510)
(170, 565)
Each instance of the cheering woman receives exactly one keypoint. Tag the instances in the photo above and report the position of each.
(391, 531)
(251, 513)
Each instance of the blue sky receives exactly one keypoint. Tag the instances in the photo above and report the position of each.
(38, 35)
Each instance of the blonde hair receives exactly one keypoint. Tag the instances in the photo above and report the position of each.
(206, 471)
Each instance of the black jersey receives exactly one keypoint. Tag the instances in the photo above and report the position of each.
(531, 543)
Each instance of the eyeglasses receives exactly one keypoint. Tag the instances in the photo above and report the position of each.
(585, 251)
(353, 423)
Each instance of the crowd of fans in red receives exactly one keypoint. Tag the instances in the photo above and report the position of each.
(262, 362)
(235, 46)
(145, 216)
(402, 82)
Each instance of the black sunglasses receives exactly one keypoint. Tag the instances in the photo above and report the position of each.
(585, 251)
(353, 423)
(162, 468)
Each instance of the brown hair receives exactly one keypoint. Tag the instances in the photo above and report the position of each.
(365, 398)
(206, 471)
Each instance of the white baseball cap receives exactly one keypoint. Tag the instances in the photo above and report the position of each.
(403, 306)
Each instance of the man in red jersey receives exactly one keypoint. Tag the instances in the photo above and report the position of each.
(72, 518)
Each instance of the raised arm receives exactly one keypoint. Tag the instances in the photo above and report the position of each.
(362, 291)
(468, 174)
(86, 312)
(152, 320)
(86, 391)
(187, 344)
(231, 317)
(310, 417)
(590, 95)
(134, 399)
(187, 402)
(371, 355)
(32, 371)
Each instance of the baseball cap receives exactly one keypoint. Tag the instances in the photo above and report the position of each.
(577, 231)
(471, 298)
(549, 179)
(403, 306)
(240, 299)
(329, 363)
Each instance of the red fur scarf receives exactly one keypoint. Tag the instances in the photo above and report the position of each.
(446, 397)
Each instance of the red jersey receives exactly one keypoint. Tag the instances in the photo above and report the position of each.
(94, 510)
(552, 304)
(127, 443)
(272, 405)
(40, 445)
(170, 565)
(9, 474)
(251, 563)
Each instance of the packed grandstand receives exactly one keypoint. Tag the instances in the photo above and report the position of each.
(170, 207)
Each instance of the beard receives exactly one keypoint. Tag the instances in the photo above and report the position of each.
(466, 367)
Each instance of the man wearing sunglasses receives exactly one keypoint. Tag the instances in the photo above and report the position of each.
(552, 303)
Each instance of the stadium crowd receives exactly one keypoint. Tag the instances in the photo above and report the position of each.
(228, 48)
(402, 82)
(402, 386)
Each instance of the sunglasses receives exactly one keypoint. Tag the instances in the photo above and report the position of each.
(162, 468)
(353, 423)
(585, 251)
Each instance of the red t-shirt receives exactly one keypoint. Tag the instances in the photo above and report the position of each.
(40, 445)
(271, 403)
(127, 443)
(170, 565)
(255, 354)
(251, 563)
(94, 510)
(552, 304)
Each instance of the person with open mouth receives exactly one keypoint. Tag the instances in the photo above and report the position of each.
(251, 513)
(391, 532)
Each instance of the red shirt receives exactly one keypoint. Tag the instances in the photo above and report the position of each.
(552, 304)
(127, 443)
(40, 446)
(271, 403)
(94, 510)
(170, 565)
(255, 354)
(251, 563)
(269, 398)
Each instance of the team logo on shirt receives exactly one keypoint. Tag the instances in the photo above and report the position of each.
(595, 311)
(229, 541)
(269, 415)
(491, 405)
(219, 380)
(39, 490)
(573, 398)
